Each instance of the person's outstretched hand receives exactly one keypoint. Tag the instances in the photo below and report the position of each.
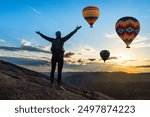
(78, 27)
(38, 32)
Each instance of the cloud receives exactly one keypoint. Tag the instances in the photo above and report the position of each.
(25, 61)
(1, 54)
(92, 59)
(143, 66)
(69, 55)
(71, 61)
(141, 42)
(81, 61)
(111, 36)
(140, 39)
(87, 49)
(35, 10)
(84, 57)
(2, 40)
(81, 54)
(113, 58)
(25, 43)
(46, 48)
(23, 48)
(26, 46)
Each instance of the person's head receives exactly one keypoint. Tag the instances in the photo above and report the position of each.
(58, 34)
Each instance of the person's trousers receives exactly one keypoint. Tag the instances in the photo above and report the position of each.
(60, 62)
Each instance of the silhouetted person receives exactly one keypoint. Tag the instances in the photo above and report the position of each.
(58, 52)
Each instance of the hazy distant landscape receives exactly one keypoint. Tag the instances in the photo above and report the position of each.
(27, 84)
(118, 85)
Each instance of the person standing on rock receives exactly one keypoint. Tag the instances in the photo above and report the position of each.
(57, 53)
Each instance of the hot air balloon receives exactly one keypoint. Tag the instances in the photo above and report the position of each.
(127, 28)
(91, 14)
(104, 55)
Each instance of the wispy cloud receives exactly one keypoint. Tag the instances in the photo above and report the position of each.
(111, 36)
(1, 54)
(23, 48)
(84, 54)
(46, 48)
(69, 54)
(113, 58)
(143, 66)
(140, 39)
(25, 61)
(2, 40)
(25, 43)
(80, 61)
(26, 46)
(88, 49)
(141, 42)
(78, 51)
(92, 59)
(35, 10)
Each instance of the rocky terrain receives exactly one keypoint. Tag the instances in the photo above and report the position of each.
(18, 83)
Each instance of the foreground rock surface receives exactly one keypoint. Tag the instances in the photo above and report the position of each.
(17, 83)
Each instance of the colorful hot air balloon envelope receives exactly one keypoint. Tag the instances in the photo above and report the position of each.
(91, 14)
(127, 28)
(104, 55)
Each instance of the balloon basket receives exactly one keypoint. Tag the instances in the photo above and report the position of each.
(128, 47)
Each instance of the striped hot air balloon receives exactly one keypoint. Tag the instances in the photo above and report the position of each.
(127, 28)
(91, 14)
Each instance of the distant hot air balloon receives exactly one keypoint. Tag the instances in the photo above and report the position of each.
(127, 28)
(91, 14)
(104, 55)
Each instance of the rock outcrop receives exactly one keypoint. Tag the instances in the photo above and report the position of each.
(18, 83)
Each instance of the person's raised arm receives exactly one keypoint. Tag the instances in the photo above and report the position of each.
(71, 34)
(44, 36)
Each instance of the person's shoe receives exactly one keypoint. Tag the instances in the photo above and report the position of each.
(52, 85)
(60, 87)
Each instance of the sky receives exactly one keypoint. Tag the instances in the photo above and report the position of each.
(20, 44)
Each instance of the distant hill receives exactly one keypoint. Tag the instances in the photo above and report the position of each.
(119, 85)
(17, 83)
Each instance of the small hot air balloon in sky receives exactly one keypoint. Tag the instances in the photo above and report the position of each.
(104, 55)
(91, 14)
(127, 28)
